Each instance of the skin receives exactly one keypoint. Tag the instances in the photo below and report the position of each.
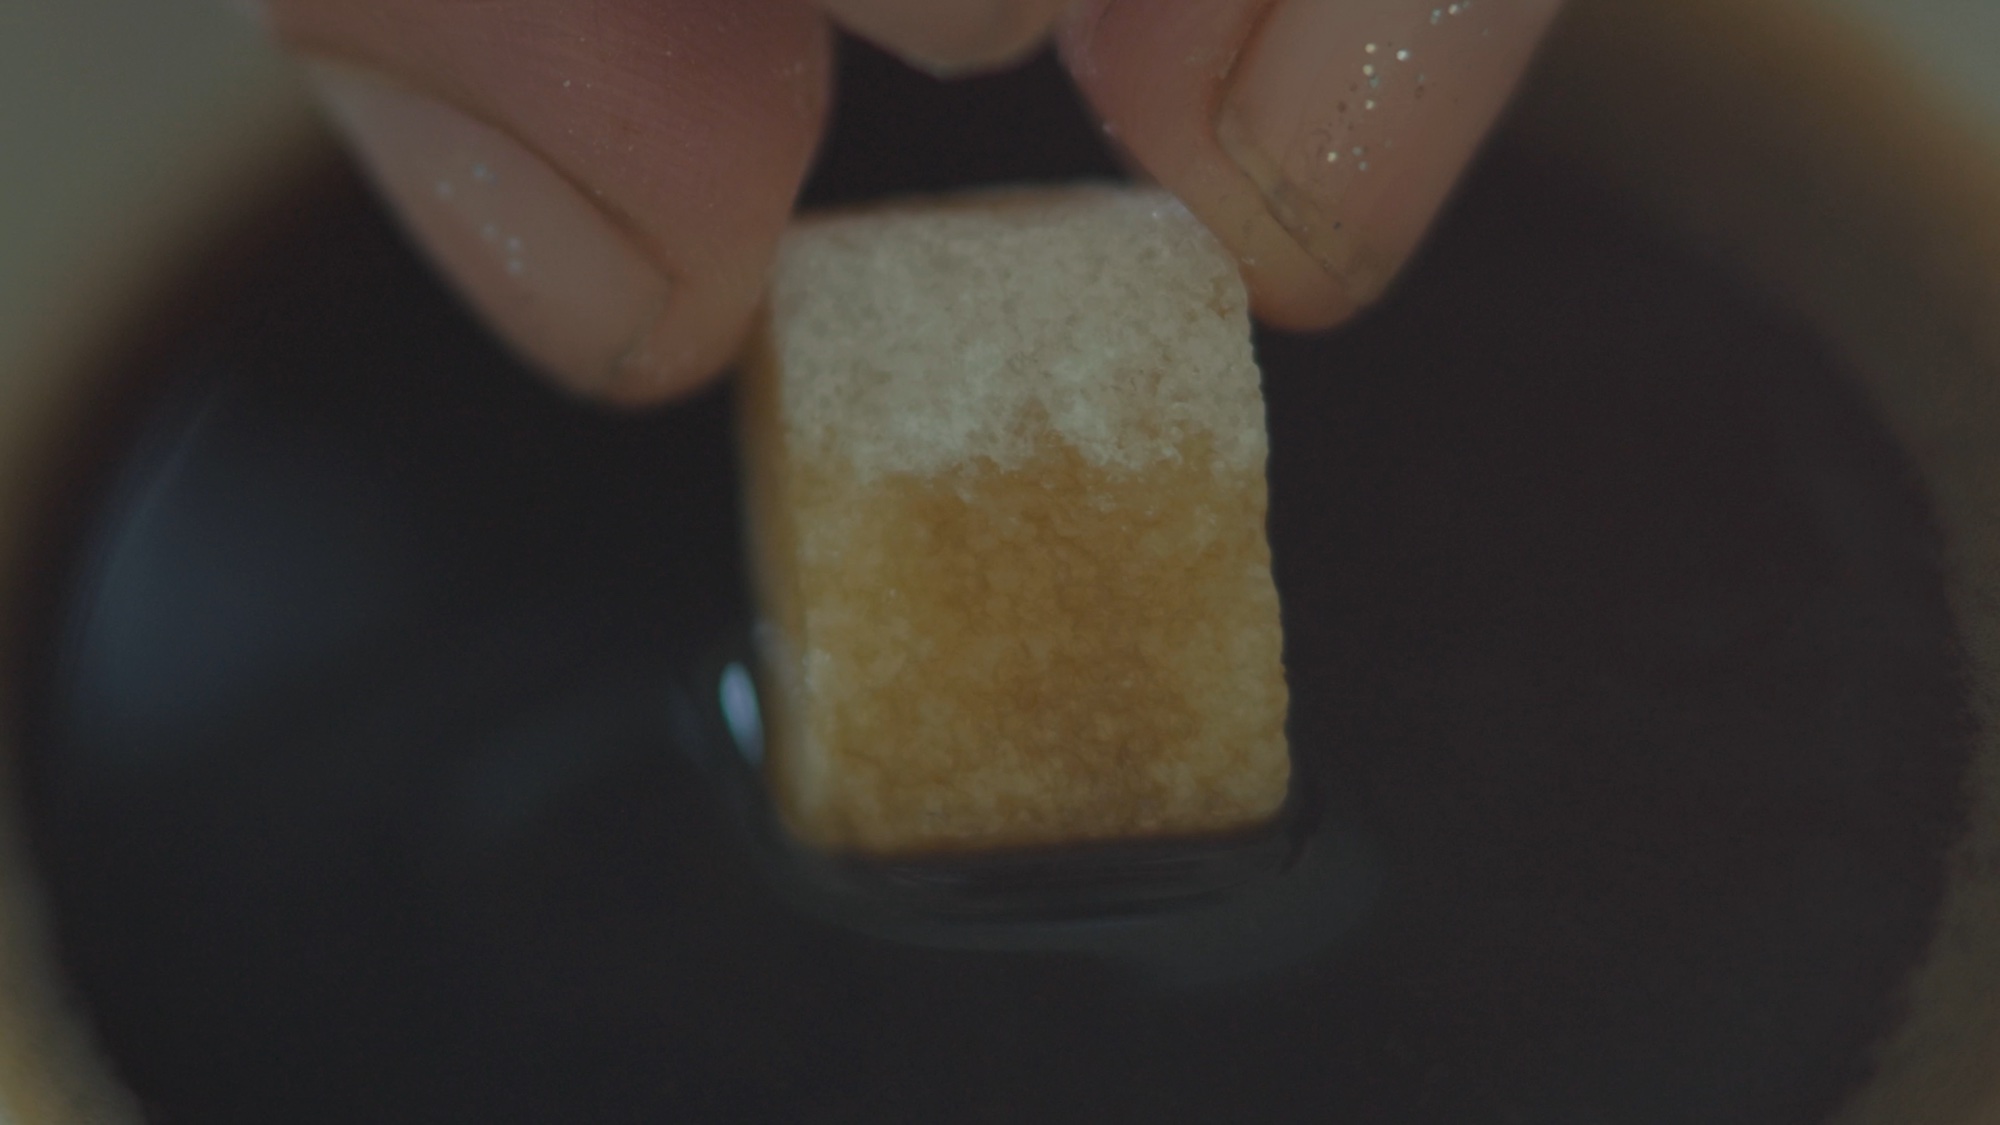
(668, 140)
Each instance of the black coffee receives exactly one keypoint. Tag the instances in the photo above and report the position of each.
(1621, 666)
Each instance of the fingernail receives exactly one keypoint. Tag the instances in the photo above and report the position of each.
(948, 38)
(1354, 118)
(549, 268)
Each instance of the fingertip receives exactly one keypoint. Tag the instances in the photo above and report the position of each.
(950, 38)
(543, 262)
(612, 220)
(1317, 140)
(689, 343)
(1297, 296)
(1151, 72)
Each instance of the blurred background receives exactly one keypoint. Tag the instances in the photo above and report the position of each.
(117, 119)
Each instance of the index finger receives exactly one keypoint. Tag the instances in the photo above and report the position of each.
(1317, 138)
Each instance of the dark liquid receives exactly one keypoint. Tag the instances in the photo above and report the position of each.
(1619, 651)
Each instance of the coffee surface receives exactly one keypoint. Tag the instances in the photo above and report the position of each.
(1622, 674)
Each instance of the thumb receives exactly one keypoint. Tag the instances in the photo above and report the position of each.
(605, 183)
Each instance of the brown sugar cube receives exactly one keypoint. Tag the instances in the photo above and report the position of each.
(1005, 466)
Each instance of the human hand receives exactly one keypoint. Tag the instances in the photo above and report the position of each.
(607, 180)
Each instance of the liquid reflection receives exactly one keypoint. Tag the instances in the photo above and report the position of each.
(1182, 914)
